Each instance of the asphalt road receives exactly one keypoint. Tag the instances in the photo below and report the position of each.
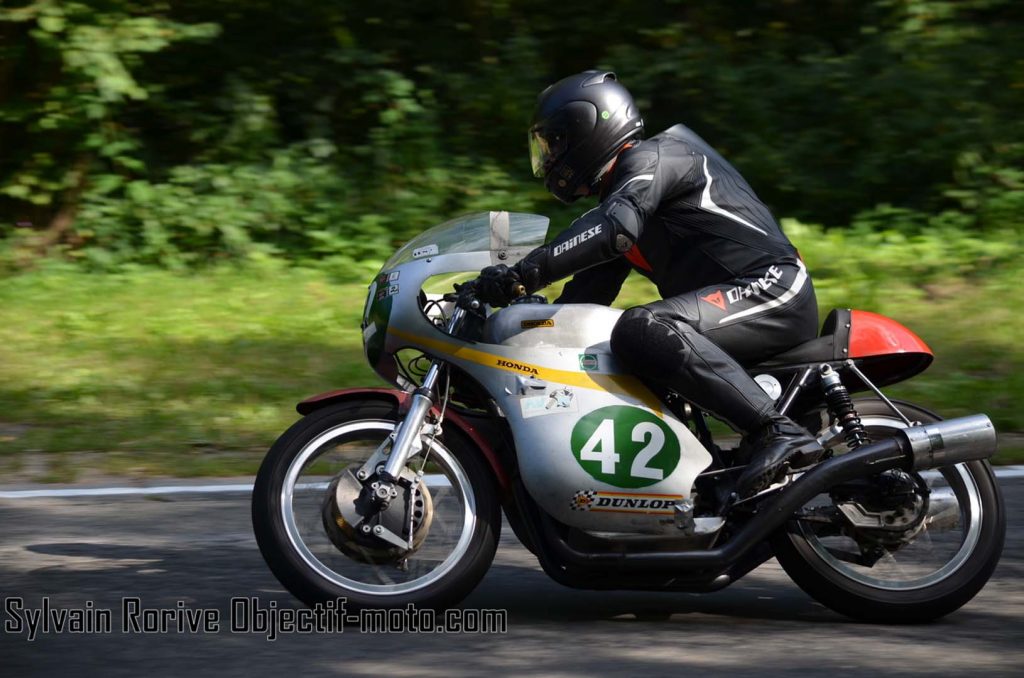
(199, 549)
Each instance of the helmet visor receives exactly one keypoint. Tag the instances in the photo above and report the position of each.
(540, 152)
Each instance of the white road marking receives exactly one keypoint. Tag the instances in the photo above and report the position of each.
(433, 480)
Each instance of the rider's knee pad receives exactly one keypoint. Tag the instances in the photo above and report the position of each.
(647, 345)
(628, 333)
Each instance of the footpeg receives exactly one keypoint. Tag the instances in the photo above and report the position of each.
(683, 515)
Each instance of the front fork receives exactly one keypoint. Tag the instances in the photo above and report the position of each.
(408, 432)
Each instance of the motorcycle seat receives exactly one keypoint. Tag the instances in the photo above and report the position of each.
(831, 345)
(887, 366)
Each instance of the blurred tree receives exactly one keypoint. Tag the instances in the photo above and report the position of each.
(65, 86)
(175, 133)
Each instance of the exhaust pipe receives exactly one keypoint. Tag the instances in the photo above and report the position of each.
(915, 449)
(950, 442)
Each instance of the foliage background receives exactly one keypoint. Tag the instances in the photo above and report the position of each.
(177, 133)
(141, 140)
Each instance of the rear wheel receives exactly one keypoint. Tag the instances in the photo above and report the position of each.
(451, 519)
(936, 538)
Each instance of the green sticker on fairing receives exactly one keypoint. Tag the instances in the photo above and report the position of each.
(625, 446)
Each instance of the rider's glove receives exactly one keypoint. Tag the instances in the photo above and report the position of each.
(498, 285)
(466, 295)
(528, 270)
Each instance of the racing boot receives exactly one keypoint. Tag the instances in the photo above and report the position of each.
(779, 445)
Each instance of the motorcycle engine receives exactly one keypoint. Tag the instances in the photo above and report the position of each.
(350, 518)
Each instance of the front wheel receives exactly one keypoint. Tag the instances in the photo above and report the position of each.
(451, 518)
(936, 540)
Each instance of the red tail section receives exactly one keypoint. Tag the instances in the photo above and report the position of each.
(874, 335)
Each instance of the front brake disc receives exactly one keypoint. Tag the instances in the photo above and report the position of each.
(349, 517)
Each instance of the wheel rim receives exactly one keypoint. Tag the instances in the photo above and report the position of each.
(944, 543)
(301, 496)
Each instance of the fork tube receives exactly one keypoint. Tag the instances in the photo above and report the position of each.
(410, 428)
(422, 401)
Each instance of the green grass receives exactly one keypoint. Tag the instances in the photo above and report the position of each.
(169, 374)
(151, 372)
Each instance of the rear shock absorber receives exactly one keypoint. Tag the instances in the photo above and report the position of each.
(840, 406)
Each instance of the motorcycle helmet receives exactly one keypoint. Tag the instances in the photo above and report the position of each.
(580, 124)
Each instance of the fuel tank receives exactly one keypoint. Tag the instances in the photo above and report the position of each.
(551, 325)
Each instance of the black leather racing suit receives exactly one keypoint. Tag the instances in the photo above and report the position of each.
(733, 286)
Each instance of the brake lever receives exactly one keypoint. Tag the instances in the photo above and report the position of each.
(455, 296)
(518, 292)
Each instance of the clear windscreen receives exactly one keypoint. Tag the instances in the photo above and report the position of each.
(481, 232)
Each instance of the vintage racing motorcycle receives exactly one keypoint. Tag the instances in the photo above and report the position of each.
(388, 497)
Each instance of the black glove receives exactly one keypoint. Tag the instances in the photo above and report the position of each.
(528, 270)
(465, 296)
(498, 285)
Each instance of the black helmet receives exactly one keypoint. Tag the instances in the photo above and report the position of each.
(580, 124)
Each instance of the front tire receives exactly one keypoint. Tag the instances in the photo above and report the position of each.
(860, 595)
(290, 531)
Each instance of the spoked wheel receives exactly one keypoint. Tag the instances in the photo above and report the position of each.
(430, 547)
(900, 547)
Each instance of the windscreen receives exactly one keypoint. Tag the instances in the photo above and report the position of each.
(514, 233)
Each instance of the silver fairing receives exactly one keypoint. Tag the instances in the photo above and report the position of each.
(596, 449)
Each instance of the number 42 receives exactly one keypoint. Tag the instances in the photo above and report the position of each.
(604, 438)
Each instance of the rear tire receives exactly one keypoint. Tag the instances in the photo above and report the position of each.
(831, 587)
(311, 586)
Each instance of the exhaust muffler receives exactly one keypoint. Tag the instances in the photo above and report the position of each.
(950, 442)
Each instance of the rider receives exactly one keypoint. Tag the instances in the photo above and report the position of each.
(733, 287)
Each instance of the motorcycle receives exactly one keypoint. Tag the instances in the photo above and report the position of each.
(387, 497)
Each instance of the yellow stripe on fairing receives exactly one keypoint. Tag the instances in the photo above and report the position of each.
(644, 495)
(622, 384)
(644, 513)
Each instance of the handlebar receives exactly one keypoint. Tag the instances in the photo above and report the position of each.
(456, 320)
(459, 312)
(518, 292)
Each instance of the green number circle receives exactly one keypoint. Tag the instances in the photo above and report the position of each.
(637, 456)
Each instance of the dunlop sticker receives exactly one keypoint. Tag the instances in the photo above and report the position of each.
(623, 502)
